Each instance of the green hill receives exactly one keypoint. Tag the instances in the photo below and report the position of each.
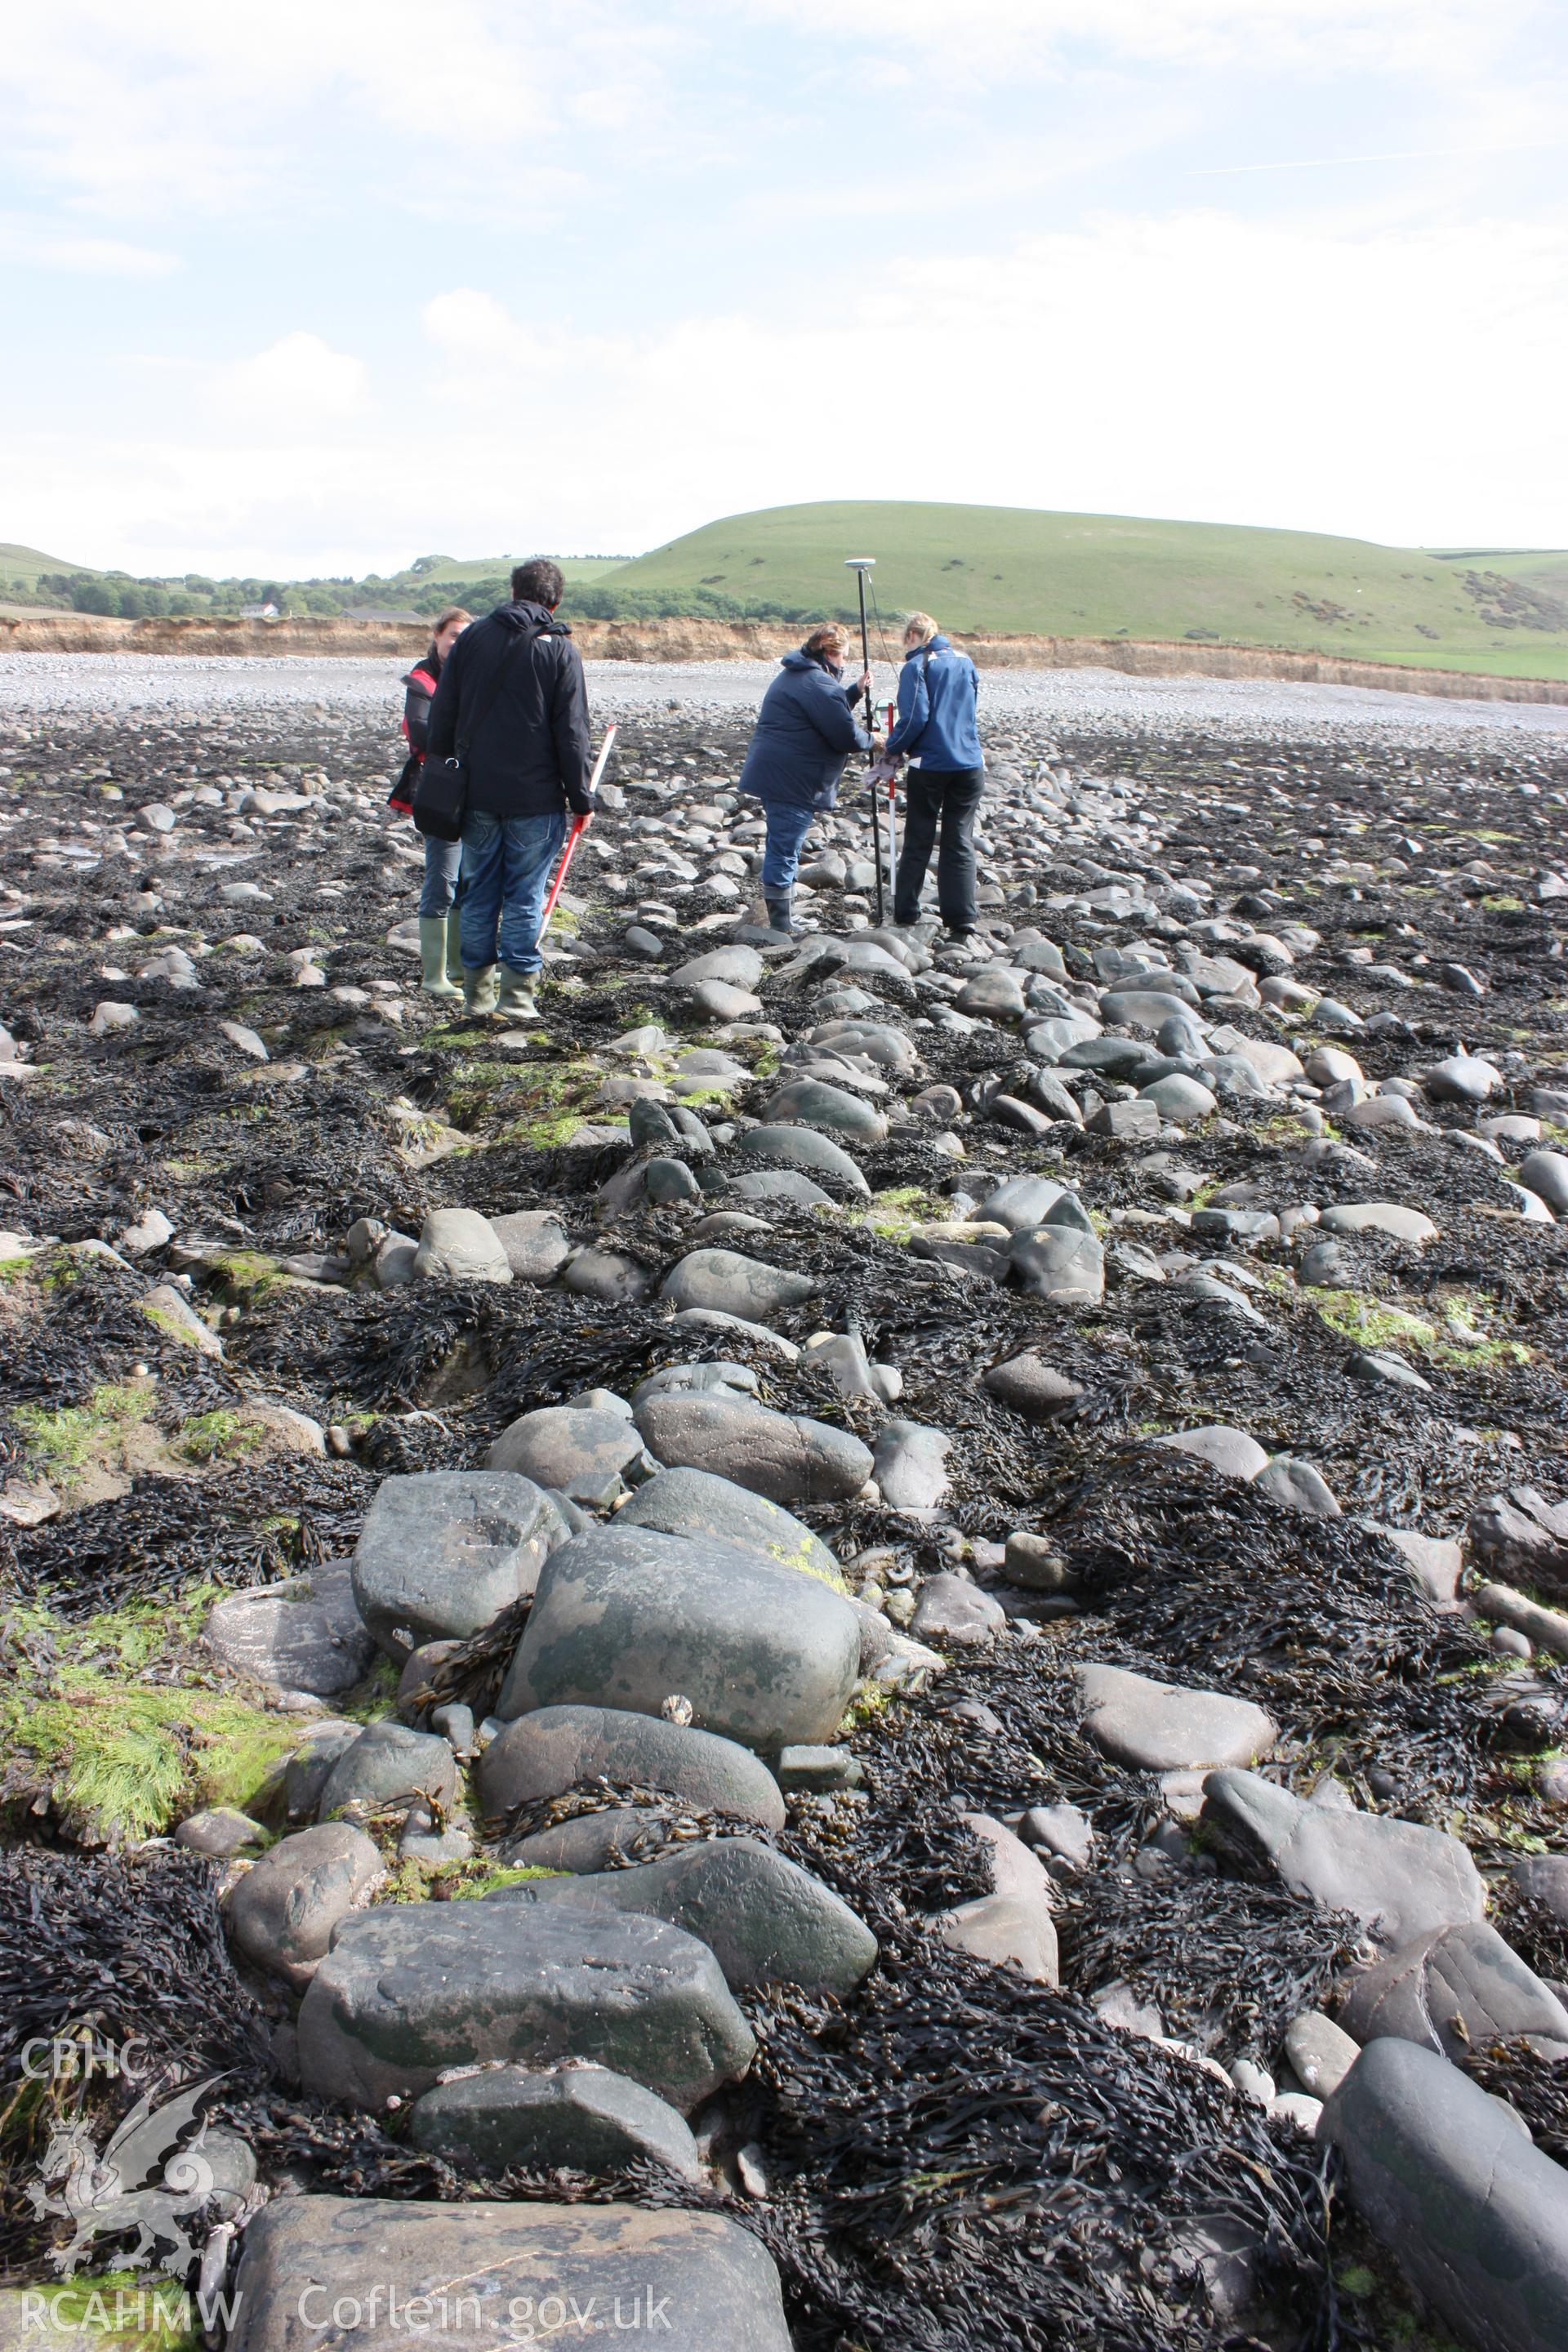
(20, 566)
(1018, 571)
(486, 567)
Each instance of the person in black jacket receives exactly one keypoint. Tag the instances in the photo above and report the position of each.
(806, 732)
(519, 675)
(440, 960)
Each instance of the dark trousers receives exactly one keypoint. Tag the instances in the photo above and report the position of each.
(951, 796)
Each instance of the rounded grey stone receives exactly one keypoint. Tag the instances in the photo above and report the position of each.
(815, 1103)
(1545, 1174)
(686, 1502)
(1229, 1451)
(1030, 1385)
(1477, 2217)
(444, 1551)
(1160, 1727)
(412, 1989)
(390, 1765)
(462, 1246)
(787, 1457)
(1400, 1878)
(535, 1244)
(734, 1285)
(802, 1147)
(1453, 1989)
(697, 2282)
(583, 1454)
(909, 1462)
(626, 1617)
(1065, 1267)
(583, 2119)
(1298, 1487)
(283, 1911)
(542, 1755)
(766, 1920)
(304, 1635)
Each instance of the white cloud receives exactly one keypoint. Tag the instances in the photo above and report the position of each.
(31, 244)
(298, 378)
(117, 105)
(1323, 375)
(1407, 37)
(1315, 374)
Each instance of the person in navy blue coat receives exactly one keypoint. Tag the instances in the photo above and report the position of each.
(936, 731)
(806, 732)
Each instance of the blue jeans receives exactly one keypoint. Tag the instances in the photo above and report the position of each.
(442, 860)
(787, 828)
(509, 864)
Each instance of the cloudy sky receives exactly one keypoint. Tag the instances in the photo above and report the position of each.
(317, 288)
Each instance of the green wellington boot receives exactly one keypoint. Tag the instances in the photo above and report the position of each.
(517, 1000)
(455, 946)
(433, 969)
(481, 983)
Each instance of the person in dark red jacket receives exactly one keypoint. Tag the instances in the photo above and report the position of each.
(517, 678)
(440, 955)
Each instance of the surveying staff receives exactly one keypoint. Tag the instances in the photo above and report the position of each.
(936, 730)
(806, 732)
(440, 963)
(516, 679)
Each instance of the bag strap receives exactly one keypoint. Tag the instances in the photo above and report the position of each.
(463, 744)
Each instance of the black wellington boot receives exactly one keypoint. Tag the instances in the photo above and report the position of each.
(780, 918)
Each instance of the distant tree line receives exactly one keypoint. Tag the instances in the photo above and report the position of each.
(193, 595)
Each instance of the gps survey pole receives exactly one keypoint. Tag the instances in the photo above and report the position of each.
(860, 565)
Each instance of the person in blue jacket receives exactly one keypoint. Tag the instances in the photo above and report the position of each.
(806, 732)
(936, 731)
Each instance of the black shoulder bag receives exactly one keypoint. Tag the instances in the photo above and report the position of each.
(441, 795)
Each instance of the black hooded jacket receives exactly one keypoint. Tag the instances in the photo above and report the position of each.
(531, 754)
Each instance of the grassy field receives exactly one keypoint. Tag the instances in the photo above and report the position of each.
(1014, 571)
(22, 566)
(485, 567)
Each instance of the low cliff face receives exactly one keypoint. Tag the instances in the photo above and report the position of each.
(701, 640)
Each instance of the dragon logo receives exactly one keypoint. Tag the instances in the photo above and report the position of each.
(144, 2181)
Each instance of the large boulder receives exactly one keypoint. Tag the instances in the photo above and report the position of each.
(909, 1464)
(766, 1920)
(1400, 1878)
(586, 1452)
(802, 1147)
(1522, 1539)
(696, 1503)
(787, 1457)
(304, 1635)
(444, 1551)
(1030, 1385)
(580, 2117)
(814, 1102)
(283, 1911)
(379, 2274)
(462, 1246)
(1453, 1991)
(1059, 1265)
(1476, 2215)
(1020, 1202)
(534, 1242)
(1378, 1217)
(410, 1990)
(391, 1766)
(628, 1617)
(1231, 1452)
(542, 1755)
(734, 1285)
(1160, 1727)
